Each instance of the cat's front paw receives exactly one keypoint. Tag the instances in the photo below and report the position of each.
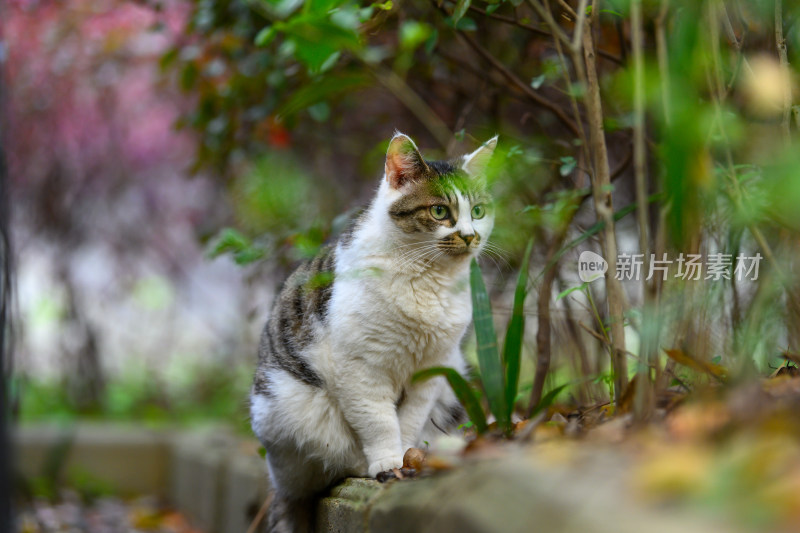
(396, 473)
(385, 465)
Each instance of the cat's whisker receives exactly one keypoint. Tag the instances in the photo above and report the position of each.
(420, 243)
(416, 257)
(497, 266)
(496, 251)
(494, 256)
(501, 252)
(422, 246)
(410, 255)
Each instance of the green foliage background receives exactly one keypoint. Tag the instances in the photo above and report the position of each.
(295, 101)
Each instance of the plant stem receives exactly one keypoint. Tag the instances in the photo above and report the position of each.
(642, 402)
(543, 310)
(601, 189)
(780, 41)
(663, 62)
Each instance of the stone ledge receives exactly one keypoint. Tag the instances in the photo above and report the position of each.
(220, 482)
(514, 494)
(347, 507)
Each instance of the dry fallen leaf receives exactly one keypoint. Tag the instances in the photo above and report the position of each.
(681, 357)
(414, 458)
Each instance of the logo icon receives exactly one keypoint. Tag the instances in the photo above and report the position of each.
(591, 266)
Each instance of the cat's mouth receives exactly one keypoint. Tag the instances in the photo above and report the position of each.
(457, 244)
(459, 249)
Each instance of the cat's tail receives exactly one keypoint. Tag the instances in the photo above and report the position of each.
(291, 516)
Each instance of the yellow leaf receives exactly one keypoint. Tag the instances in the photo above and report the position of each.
(681, 357)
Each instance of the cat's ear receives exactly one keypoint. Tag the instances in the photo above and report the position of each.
(403, 161)
(475, 163)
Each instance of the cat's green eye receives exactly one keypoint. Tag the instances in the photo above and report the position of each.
(478, 211)
(439, 212)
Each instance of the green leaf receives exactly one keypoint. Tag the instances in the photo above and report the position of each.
(460, 10)
(265, 36)
(515, 333)
(168, 59)
(324, 89)
(386, 6)
(320, 111)
(232, 241)
(488, 358)
(538, 81)
(462, 391)
(283, 8)
(229, 240)
(316, 38)
(568, 164)
(430, 44)
(466, 24)
(548, 399)
(413, 33)
(188, 76)
(567, 292)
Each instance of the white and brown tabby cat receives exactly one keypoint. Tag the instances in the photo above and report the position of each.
(332, 395)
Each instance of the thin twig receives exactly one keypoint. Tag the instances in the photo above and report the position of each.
(780, 41)
(558, 32)
(643, 402)
(543, 333)
(568, 7)
(622, 166)
(576, 37)
(260, 514)
(663, 63)
(538, 31)
(737, 45)
(572, 97)
(510, 20)
(639, 153)
(524, 87)
(594, 334)
(421, 110)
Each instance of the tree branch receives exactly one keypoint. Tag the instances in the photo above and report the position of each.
(524, 87)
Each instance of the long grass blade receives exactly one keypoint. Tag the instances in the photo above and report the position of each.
(488, 357)
(462, 391)
(512, 347)
(548, 399)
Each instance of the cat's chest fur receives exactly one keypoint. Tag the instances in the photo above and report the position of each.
(422, 315)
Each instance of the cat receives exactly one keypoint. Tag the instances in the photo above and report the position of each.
(332, 395)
